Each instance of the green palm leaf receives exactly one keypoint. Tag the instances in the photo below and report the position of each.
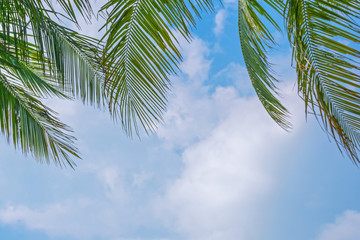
(29, 73)
(141, 52)
(74, 63)
(32, 126)
(254, 39)
(65, 55)
(40, 58)
(328, 67)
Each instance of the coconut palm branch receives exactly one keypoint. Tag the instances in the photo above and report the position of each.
(255, 39)
(41, 58)
(32, 126)
(141, 51)
(325, 36)
(60, 49)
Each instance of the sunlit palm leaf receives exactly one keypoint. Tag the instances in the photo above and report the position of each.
(325, 36)
(141, 52)
(254, 39)
(32, 126)
(65, 55)
(40, 58)
(74, 58)
(30, 73)
(83, 6)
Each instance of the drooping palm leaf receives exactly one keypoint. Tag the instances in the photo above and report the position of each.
(32, 126)
(325, 36)
(65, 55)
(255, 38)
(40, 58)
(74, 59)
(141, 52)
(29, 76)
(83, 7)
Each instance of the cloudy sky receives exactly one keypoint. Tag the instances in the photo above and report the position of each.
(218, 168)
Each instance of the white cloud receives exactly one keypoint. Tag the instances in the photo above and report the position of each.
(189, 116)
(53, 219)
(220, 18)
(228, 173)
(193, 112)
(196, 62)
(230, 151)
(236, 75)
(345, 227)
(113, 182)
(228, 146)
(139, 179)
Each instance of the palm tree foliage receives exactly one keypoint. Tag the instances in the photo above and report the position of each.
(128, 69)
(141, 51)
(254, 39)
(40, 58)
(325, 37)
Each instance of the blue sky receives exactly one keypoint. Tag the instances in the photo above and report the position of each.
(218, 168)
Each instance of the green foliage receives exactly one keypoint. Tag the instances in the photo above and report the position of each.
(128, 70)
(141, 51)
(40, 58)
(327, 67)
(254, 38)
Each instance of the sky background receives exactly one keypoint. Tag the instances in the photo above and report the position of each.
(218, 168)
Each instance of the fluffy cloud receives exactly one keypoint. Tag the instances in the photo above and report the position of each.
(207, 175)
(228, 147)
(196, 64)
(220, 18)
(54, 219)
(189, 116)
(228, 174)
(231, 151)
(345, 227)
(112, 192)
(236, 75)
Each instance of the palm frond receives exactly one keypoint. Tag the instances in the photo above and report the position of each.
(32, 126)
(46, 7)
(29, 74)
(83, 7)
(74, 63)
(254, 40)
(41, 58)
(325, 36)
(141, 51)
(66, 56)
